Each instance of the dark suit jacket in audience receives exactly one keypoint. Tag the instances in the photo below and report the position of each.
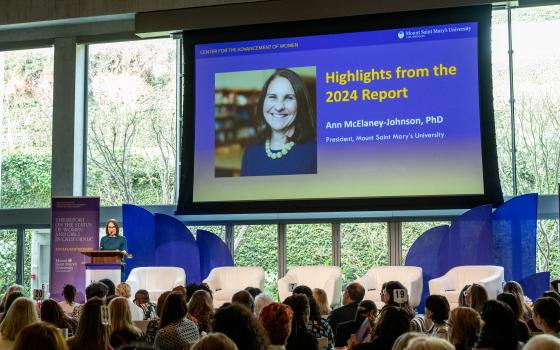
(344, 331)
(342, 314)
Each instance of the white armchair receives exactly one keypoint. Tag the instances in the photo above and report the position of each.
(156, 279)
(450, 285)
(328, 278)
(409, 276)
(228, 280)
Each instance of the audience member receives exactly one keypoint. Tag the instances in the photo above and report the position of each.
(111, 290)
(193, 287)
(346, 329)
(69, 303)
(21, 313)
(176, 331)
(464, 326)
(319, 326)
(254, 291)
(437, 311)
(551, 294)
(300, 337)
(546, 315)
(142, 299)
(322, 302)
(153, 325)
(276, 319)
(91, 333)
(52, 313)
(123, 332)
(123, 290)
(461, 300)
(554, 285)
(364, 332)
(261, 301)
(402, 342)
(40, 335)
(240, 325)
(244, 298)
(475, 296)
(543, 342)
(387, 292)
(9, 301)
(201, 310)
(11, 289)
(499, 328)
(352, 296)
(512, 302)
(515, 288)
(95, 289)
(392, 323)
(215, 341)
(303, 289)
(428, 343)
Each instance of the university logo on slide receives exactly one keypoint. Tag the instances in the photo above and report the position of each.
(401, 34)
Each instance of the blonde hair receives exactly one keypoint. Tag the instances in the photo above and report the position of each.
(215, 341)
(121, 319)
(40, 335)
(402, 342)
(542, 342)
(464, 325)
(429, 343)
(123, 290)
(320, 297)
(200, 307)
(21, 313)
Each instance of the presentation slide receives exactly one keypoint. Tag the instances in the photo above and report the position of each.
(386, 113)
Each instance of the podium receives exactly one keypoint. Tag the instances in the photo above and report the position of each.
(104, 264)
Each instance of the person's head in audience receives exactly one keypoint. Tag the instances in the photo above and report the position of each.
(161, 302)
(141, 297)
(174, 309)
(392, 322)
(365, 309)
(69, 293)
(123, 290)
(9, 301)
(110, 286)
(244, 298)
(305, 290)
(437, 308)
(300, 337)
(464, 325)
(354, 293)
(121, 318)
(261, 301)
(276, 319)
(11, 289)
(21, 313)
(200, 307)
(554, 285)
(185, 290)
(543, 342)
(429, 343)
(512, 302)
(97, 289)
(91, 333)
(215, 341)
(402, 342)
(475, 296)
(322, 302)
(52, 313)
(40, 335)
(551, 294)
(254, 291)
(388, 296)
(515, 288)
(461, 300)
(546, 315)
(241, 326)
(499, 326)
(314, 314)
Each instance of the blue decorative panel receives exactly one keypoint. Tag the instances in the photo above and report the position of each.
(213, 252)
(176, 246)
(138, 227)
(534, 285)
(515, 236)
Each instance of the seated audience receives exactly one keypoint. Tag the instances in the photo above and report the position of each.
(142, 299)
(244, 298)
(11, 289)
(392, 323)
(52, 313)
(9, 301)
(512, 302)
(554, 285)
(95, 289)
(546, 315)
(353, 294)
(300, 337)
(552, 294)
(261, 301)
(193, 287)
(201, 310)
(346, 329)
(215, 341)
(402, 342)
(254, 291)
(364, 332)
(429, 343)
(123, 290)
(176, 331)
(123, 332)
(21, 313)
(111, 291)
(515, 288)
(276, 319)
(91, 333)
(40, 335)
(387, 296)
(69, 294)
(462, 301)
(543, 342)
(437, 311)
(321, 298)
(319, 326)
(302, 289)
(476, 296)
(464, 326)
(499, 329)
(238, 323)
(153, 325)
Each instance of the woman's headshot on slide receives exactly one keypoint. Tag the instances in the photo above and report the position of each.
(286, 139)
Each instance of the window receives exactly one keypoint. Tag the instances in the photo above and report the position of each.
(8, 253)
(308, 244)
(37, 259)
(412, 230)
(26, 90)
(220, 231)
(131, 122)
(548, 247)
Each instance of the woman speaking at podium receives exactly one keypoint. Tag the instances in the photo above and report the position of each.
(112, 240)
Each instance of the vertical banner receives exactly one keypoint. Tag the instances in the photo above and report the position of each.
(74, 228)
